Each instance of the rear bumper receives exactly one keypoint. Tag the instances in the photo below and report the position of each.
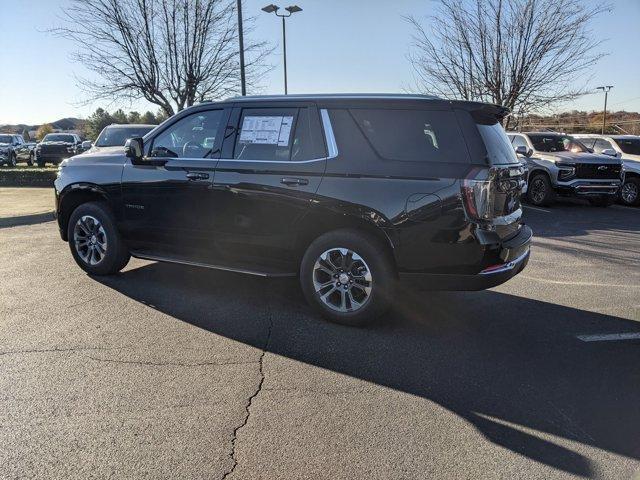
(514, 256)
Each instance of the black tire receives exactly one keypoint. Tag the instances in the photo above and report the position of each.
(374, 258)
(30, 161)
(41, 163)
(539, 191)
(12, 160)
(630, 192)
(602, 201)
(115, 256)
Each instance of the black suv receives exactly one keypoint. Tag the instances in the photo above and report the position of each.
(349, 192)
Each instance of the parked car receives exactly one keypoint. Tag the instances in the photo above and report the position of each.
(349, 192)
(14, 149)
(561, 165)
(626, 147)
(113, 137)
(55, 147)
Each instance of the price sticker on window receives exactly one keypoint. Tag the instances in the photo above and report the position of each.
(266, 130)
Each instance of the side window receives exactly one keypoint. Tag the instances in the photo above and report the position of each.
(265, 134)
(600, 145)
(413, 135)
(190, 137)
(308, 143)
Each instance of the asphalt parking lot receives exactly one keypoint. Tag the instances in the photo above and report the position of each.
(173, 372)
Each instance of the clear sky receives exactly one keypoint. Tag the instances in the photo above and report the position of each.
(333, 46)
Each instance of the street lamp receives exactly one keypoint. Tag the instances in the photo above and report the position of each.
(605, 89)
(291, 9)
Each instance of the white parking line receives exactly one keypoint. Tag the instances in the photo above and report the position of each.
(609, 337)
(537, 208)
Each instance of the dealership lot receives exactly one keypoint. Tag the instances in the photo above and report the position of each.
(174, 372)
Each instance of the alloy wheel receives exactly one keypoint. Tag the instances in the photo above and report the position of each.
(342, 280)
(90, 240)
(629, 193)
(538, 190)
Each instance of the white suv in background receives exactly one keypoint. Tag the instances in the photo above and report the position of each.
(626, 147)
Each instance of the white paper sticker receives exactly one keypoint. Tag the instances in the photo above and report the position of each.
(267, 130)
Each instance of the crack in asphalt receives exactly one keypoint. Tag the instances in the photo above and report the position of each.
(249, 402)
(166, 364)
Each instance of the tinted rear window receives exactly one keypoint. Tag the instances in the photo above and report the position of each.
(629, 145)
(413, 135)
(499, 148)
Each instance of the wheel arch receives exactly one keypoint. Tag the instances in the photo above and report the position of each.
(315, 224)
(73, 196)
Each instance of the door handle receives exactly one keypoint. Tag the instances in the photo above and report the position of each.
(197, 176)
(294, 181)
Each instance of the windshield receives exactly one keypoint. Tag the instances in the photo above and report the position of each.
(57, 137)
(629, 145)
(499, 149)
(556, 143)
(117, 136)
(5, 138)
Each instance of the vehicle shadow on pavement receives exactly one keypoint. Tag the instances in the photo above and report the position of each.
(6, 222)
(508, 365)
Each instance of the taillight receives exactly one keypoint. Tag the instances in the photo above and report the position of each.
(478, 194)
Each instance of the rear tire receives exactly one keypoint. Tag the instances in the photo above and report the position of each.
(94, 240)
(30, 161)
(603, 201)
(12, 160)
(539, 191)
(630, 192)
(348, 277)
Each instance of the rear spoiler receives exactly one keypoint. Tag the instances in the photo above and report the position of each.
(484, 113)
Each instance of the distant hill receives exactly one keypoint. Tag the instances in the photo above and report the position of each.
(69, 123)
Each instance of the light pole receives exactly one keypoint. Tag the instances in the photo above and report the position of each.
(243, 86)
(605, 89)
(291, 9)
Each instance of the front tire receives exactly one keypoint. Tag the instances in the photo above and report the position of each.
(348, 277)
(630, 192)
(31, 160)
(539, 191)
(12, 160)
(94, 240)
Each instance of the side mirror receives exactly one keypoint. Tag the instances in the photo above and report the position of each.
(524, 151)
(609, 151)
(86, 145)
(134, 149)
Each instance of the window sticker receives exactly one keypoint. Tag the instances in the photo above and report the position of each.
(266, 130)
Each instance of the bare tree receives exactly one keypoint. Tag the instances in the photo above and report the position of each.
(522, 54)
(173, 53)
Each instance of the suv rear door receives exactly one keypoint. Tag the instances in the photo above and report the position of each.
(269, 170)
(497, 189)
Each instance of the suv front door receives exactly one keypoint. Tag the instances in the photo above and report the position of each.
(269, 171)
(168, 203)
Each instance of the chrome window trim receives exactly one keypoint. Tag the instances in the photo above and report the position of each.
(332, 147)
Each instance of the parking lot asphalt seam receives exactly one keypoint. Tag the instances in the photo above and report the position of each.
(56, 350)
(249, 403)
(167, 364)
